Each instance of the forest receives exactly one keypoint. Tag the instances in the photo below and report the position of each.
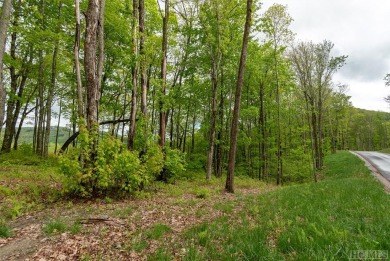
(167, 83)
(147, 128)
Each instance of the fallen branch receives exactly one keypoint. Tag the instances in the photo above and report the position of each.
(76, 134)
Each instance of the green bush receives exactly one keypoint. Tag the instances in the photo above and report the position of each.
(153, 160)
(115, 170)
(174, 165)
(197, 161)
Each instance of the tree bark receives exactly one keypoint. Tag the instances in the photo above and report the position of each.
(58, 126)
(134, 74)
(91, 74)
(4, 21)
(163, 77)
(12, 102)
(143, 68)
(214, 79)
(240, 81)
(41, 90)
(80, 109)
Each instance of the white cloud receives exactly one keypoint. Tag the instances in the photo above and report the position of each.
(358, 29)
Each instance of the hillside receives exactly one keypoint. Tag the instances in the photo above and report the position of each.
(27, 133)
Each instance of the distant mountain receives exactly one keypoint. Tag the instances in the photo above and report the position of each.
(27, 134)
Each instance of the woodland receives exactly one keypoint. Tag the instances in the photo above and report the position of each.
(150, 88)
(180, 130)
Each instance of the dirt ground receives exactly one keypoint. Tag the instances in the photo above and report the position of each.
(111, 230)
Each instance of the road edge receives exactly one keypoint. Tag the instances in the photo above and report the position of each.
(374, 171)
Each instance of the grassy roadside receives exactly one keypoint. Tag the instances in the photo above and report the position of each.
(385, 150)
(347, 210)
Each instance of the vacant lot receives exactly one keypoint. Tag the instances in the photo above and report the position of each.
(193, 219)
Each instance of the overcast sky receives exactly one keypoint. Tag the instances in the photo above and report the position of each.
(359, 29)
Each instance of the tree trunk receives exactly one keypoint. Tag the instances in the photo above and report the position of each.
(58, 126)
(240, 81)
(4, 21)
(143, 60)
(219, 151)
(262, 152)
(164, 76)
(91, 76)
(193, 130)
(80, 109)
(35, 125)
(134, 74)
(279, 177)
(9, 127)
(41, 90)
(50, 95)
(320, 119)
(214, 79)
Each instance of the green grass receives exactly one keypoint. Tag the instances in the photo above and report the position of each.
(5, 230)
(347, 210)
(58, 226)
(157, 231)
(27, 182)
(385, 150)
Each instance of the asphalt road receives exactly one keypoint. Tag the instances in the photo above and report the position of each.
(380, 161)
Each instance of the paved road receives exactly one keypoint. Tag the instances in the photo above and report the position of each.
(380, 161)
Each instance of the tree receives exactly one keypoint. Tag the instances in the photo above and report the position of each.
(314, 67)
(92, 75)
(387, 83)
(276, 23)
(240, 81)
(215, 67)
(4, 21)
(163, 76)
(134, 75)
(80, 107)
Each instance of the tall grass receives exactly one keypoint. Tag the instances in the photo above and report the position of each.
(347, 210)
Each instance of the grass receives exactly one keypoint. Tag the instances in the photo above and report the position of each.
(5, 231)
(27, 182)
(157, 231)
(385, 150)
(58, 226)
(347, 210)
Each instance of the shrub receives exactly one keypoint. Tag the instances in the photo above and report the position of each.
(174, 164)
(153, 160)
(115, 170)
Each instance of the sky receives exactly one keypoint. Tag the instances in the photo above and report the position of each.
(359, 29)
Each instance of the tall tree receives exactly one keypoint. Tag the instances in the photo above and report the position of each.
(134, 75)
(215, 66)
(240, 81)
(91, 46)
(41, 86)
(50, 95)
(163, 76)
(277, 21)
(80, 107)
(314, 67)
(143, 65)
(4, 21)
